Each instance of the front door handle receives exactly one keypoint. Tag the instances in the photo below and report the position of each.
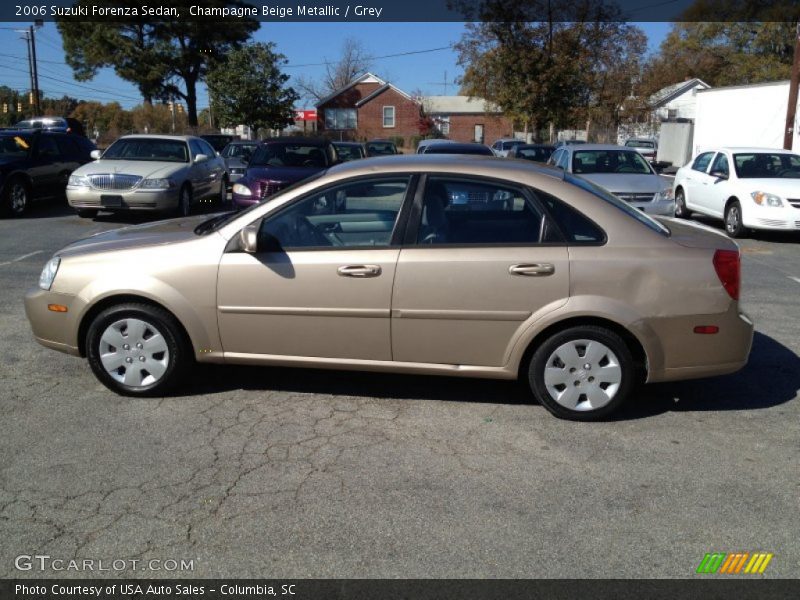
(533, 270)
(360, 271)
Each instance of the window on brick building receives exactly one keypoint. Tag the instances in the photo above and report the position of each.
(388, 116)
(341, 118)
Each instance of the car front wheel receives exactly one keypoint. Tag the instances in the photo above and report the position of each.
(137, 350)
(582, 373)
(185, 201)
(680, 204)
(16, 197)
(733, 220)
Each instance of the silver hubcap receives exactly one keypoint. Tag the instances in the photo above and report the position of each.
(582, 375)
(19, 198)
(680, 203)
(733, 219)
(134, 352)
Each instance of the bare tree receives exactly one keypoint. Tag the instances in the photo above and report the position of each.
(354, 61)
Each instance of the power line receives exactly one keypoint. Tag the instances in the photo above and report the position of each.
(78, 85)
(323, 64)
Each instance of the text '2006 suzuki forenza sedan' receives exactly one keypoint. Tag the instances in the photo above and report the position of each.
(466, 266)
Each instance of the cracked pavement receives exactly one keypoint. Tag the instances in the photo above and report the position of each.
(267, 472)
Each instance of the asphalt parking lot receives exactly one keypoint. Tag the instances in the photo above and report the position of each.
(268, 472)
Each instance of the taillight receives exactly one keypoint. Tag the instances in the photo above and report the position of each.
(727, 264)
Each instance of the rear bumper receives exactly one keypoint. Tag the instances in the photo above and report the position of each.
(689, 355)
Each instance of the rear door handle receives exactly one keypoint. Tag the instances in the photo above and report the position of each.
(533, 270)
(360, 271)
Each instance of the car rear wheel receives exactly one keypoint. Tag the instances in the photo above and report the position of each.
(185, 201)
(137, 350)
(733, 220)
(87, 213)
(16, 197)
(680, 204)
(582, 373)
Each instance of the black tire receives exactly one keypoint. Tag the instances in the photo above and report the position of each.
(543, 358)
(178, 356)
(223, 194)
(733, 220)
(681, 211)
(16, 198)
(87, 213)
(185, 201)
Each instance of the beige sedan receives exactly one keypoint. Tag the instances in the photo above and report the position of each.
(461, 266)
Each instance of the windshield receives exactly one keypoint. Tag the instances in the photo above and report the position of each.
(14, 146)
(458, 149)
(541, 154)
(381, 148)
(148, 149)
(609, 161)
(223, 219)
(349, 152)
(767, 165)
(289, 155)
(620, 204)
(244, 151)
(41, 123)
(640, 144)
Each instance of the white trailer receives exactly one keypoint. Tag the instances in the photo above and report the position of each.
(746, 115)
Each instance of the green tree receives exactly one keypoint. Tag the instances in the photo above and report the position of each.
(249, 88)
(552, 70)
(727, 43)
(162, 57)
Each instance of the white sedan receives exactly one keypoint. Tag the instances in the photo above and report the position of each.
(749, 188)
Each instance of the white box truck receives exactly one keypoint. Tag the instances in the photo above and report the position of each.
(746, 115)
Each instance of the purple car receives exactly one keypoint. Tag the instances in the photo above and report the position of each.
(278, 163)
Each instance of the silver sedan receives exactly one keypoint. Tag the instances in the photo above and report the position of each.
(149, 172)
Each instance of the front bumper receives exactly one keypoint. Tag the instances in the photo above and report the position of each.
(662, 208)
(56, 330)
(157, 200)
(786, 218)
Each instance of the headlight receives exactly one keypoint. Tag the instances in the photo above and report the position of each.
(156, 184)
(665, 194)
(241, 190)
(766, 199)
(78, 181)
(49, 273)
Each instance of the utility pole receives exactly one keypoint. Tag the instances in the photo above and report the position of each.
(445, 84)
(791, 110)
(36, 106)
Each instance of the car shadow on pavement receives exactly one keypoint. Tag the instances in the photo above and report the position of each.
(47, 209)
(218, 378)
(770, 378)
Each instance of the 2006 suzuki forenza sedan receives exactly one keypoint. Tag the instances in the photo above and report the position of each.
(451, 265)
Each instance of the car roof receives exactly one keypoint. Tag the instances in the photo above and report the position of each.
(297, 140)
(583, 147)
(748, 149)
(524, 146)
(347, 143)
(641, 139)
(240, 142)
(154, 136)
(466, 164)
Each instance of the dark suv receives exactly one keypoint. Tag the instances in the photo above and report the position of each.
(36, 164)
(280, 162)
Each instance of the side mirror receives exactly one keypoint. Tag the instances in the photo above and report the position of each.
(248, 238)
(95, 154)
(719, 174)
(200, 157)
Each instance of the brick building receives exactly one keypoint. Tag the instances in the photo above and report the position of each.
(369, 108)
